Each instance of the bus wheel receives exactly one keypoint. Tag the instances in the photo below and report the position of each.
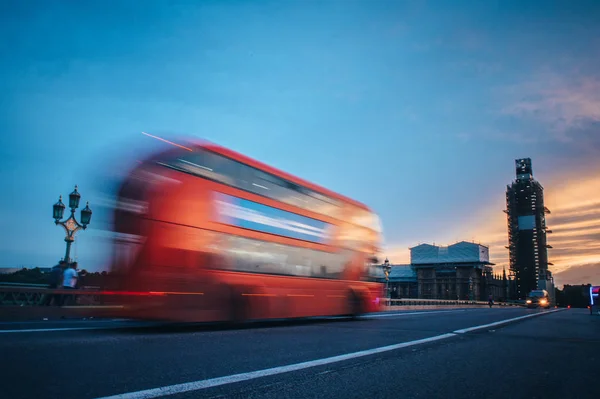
(235, 305)
(355, 304)
(238, 308)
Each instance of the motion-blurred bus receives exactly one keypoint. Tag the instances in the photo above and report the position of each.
(207, 234)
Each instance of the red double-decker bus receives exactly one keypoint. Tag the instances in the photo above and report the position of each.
(207, 234)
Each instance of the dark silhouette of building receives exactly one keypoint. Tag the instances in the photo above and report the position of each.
(577, 296)
(527, 233)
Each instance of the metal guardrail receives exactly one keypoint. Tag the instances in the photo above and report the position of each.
(6, 284)
(32, 296)
(38, 295)
(439, 302)
(31, 285)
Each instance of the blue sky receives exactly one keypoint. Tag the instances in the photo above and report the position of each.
(416, 108)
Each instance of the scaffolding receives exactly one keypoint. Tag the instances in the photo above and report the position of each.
(527, 232)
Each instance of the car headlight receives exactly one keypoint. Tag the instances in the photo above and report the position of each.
(528, 301)
(543, 301)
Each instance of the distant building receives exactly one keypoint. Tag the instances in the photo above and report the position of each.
(574, 295)
(459, 271)
(402, 280)
(527, 233)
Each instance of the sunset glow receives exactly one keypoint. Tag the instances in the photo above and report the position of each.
(414, 109)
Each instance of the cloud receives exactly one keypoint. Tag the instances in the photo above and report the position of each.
(576, 229)
(575, 222)
(567, 108)
(580, 210)
(398, 254)
(582, 274)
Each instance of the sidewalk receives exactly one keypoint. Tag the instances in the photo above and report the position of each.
(29, 313)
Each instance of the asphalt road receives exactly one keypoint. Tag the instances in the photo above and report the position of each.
(426, 354)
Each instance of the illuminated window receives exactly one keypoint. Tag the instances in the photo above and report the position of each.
(255, 256)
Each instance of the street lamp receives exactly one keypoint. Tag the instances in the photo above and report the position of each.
(471, 288)
(71, 225)
(386, 270)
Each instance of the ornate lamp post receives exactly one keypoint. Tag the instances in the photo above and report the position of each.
(386, 270)
(471, 288)
(71, 225)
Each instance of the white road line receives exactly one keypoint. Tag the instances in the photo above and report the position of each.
(74, 321)
(55, 329)
(372, 316)
(214, 382)
(498, 323)
(107, 327)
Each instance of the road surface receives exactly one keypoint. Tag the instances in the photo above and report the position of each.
(425, 354)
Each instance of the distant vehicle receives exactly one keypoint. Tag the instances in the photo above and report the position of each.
(207, 234)
(594, 300)
(538, 299)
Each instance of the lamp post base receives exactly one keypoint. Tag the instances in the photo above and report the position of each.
(68, 251)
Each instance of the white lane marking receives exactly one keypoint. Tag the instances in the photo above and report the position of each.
(107, 327)
(54, 329)
(214, 382)
(73, 321)
(498, 323)
(370, 316)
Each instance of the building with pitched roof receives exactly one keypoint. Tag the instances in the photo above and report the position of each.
(459, 271)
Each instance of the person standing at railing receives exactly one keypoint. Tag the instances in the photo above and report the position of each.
(69, 281)
(56, 279)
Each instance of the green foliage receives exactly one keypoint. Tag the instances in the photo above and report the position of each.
(36, 276)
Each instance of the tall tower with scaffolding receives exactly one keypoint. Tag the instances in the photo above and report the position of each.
(527, 243)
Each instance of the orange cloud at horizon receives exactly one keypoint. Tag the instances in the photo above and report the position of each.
(575, 207)
(397, 253)
(575, 237)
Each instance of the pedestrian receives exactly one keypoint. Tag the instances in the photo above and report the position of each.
(79, 275)
(70, 280)
(55, 282)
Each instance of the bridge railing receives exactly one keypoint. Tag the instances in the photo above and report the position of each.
(14, 295)
(29, 285)
(441, 302)
(17, 294)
